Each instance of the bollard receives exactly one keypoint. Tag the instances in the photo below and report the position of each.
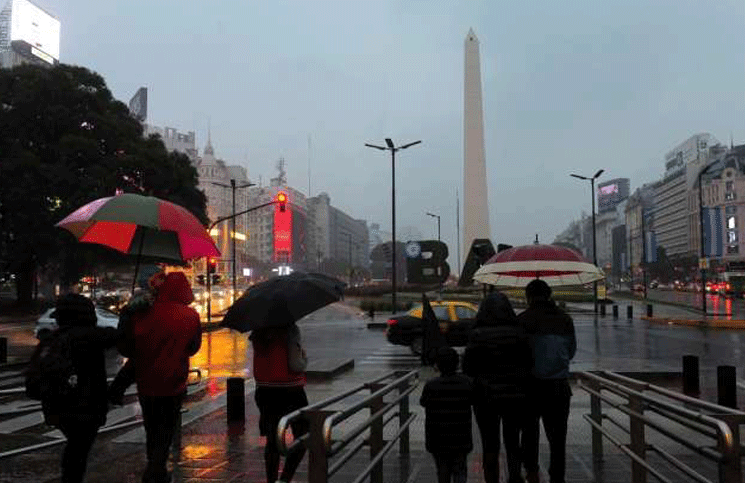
(726, 386)
(236, 399)
(690, 376)
(630, 312)
(615, 311)
(650, 311)
(602, 310)
(3, 350)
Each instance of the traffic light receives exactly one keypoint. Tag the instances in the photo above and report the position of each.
(212, 265)
(282, 201)
(200, 279)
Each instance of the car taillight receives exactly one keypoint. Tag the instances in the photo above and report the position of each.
(392, 322)
(729, 287)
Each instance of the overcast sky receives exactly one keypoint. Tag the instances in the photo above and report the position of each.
(567, 87)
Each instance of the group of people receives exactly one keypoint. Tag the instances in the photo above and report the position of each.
(515, 374)
(158, 332)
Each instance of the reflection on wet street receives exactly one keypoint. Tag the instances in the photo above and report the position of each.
(224, 353)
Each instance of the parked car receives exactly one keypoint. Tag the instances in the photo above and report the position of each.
(48, 321)
(455, 318)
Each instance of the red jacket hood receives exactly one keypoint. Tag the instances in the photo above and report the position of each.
(176, 288)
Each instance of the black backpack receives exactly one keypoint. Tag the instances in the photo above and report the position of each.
(51, 375)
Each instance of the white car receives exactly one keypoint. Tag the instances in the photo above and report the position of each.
(48, 322)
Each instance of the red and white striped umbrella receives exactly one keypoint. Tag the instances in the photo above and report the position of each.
(556, 265)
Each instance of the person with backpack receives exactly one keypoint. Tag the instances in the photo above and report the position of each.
(68, 373)
(164, 337)
(279, 370)
(553, 342)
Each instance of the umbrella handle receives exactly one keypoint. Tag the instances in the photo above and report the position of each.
(139, 256)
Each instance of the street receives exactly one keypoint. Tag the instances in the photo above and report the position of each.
(727, 307)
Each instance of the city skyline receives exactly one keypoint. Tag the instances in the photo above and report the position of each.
(565, 89)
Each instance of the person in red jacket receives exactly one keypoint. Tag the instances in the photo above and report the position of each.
(279, 389)
(161, 341)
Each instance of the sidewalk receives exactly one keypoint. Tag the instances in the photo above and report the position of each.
(212, 451)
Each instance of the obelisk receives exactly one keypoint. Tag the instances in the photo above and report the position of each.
(476, 199)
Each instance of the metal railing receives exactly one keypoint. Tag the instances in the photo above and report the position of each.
(706, 429)
(176, 445)
(323, 443)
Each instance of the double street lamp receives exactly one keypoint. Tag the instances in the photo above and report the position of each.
(594, 244)
(392, 148)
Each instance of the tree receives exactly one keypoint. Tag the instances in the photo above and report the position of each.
(65, 141)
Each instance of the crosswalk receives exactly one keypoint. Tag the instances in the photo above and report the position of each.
(390, 356)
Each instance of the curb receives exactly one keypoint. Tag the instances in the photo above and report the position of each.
(377, 325)
(704, 323)
(326, 373)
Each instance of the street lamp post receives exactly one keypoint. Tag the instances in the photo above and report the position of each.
(438, 240)
(702, 251)
(233, 187)
(594, 243)
(392, 148)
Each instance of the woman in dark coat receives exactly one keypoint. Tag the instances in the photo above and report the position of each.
(498, 358)
(80, 416)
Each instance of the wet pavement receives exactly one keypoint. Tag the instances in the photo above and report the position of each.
(212, 450)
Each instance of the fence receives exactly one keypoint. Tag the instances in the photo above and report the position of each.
(680, 419)
(323, 443)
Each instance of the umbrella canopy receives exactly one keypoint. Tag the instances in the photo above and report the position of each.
(141, 225)
(556, 265)
(302, 293)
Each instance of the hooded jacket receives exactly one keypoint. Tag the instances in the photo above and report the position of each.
(164, 338)
(498, 355)
(76, 317)
(552, 339)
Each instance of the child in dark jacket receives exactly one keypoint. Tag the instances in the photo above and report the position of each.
(447, 402)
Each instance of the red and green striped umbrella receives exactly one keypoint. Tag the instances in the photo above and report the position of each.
(141, 225)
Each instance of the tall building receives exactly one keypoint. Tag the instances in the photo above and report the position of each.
(214, 181)
(28, 35)
(640, 223)
(310, 234)
(673, 218)
(475, 195)
(175, 140)
(724, 196)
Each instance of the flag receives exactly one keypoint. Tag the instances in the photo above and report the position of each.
(713, 242)
(433, 338)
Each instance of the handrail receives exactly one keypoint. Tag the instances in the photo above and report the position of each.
(633, 398)
(284, 422)
(340, 416)
(322, 420)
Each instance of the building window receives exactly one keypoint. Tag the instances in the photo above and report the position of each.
(729, 185)
(731, 237)
(731, 223)
(729, 196)
(733, 249)
(731, 209)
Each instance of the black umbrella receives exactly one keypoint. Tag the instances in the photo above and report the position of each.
(433, 338)
(302, 293)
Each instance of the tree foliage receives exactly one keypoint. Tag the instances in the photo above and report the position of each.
(65, 141)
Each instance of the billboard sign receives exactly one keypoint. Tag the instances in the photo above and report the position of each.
(34, 27)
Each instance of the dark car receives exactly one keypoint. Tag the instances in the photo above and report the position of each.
(455, 318)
